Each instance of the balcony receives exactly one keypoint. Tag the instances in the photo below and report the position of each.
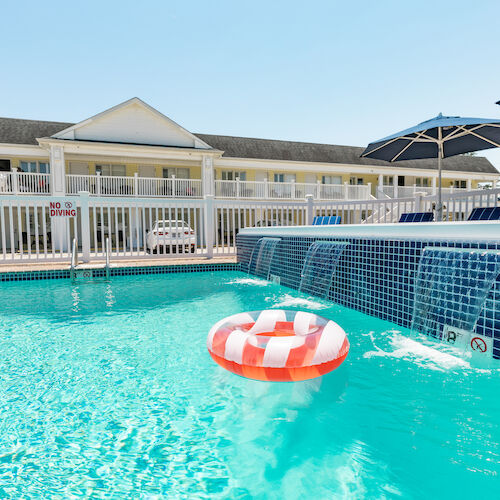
(259, 190)
(149, 187)
(411, 191)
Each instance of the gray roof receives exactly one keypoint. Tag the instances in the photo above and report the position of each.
(17, 131)
(245, 147)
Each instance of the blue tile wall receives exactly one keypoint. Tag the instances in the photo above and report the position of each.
(374, 276)
(120, 271)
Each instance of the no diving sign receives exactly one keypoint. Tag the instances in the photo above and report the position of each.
(474, 346)
(62, 209)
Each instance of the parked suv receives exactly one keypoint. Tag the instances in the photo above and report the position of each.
(171, 236)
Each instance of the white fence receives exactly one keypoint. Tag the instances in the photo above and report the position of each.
(410, 191)
(208, 226)
(260, 190)
(24, 183)
(107, 185)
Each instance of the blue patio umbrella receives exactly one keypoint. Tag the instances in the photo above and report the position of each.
(439, 138)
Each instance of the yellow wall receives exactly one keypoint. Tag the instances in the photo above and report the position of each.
(195, 172)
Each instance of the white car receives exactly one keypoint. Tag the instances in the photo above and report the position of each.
(171, 236)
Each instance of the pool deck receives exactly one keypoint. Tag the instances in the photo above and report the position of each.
(53, 266)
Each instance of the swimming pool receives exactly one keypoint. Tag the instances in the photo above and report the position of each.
(108, 389)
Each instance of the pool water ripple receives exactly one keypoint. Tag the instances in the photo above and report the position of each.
(108, 391)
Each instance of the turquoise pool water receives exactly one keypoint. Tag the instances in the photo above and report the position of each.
(107, 390)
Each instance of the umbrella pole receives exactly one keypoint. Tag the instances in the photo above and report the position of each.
(439, 210)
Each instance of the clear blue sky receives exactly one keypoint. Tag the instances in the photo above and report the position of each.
(342, 72)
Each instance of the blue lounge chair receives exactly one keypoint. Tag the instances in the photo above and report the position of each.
(327, 220)
(417, 217)
(485, 213)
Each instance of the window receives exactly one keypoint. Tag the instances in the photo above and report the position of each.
(353, 181)
(4, 165)
(41, 167)
(231, 175)
(331, 179)
(422, 182)
(178, 172)
(284, 177)
(388, 180)
(115, 170)
(460, 184)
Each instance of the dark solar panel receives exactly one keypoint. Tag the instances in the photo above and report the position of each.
(485, 213)
(417, 217)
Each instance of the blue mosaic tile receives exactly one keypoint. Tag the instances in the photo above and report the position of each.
(374, 276)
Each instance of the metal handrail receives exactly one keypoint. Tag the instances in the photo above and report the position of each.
(74, 258)
(108, 251)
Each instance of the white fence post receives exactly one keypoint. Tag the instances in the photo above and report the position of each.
(346, 189)
(293, 191)
(318, 190)
(85, 224)
(369, 189)
(15, 181)
(98, 184)
(418, 202)
(309, 209)
(266, 189)
(237, 187)
(136, 184)
(209, 224)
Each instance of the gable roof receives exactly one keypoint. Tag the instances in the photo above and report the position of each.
(132, 122)
(265, 149)
(18, 131)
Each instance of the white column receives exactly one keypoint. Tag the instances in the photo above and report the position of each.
(57, 170)
(469, 184)
(380, 188)
(58, 183)
(395, 182)
(207, 175)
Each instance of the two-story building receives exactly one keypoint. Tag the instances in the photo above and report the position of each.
(134, 150)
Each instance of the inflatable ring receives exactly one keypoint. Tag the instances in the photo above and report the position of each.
(278, 346)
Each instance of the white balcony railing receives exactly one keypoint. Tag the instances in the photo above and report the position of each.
(106, 185)
(410, 191)
(289, 190)
(24, 183)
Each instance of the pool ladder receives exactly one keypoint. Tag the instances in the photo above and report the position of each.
(74, 260)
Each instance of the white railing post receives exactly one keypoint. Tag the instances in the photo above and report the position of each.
(396, 186)
(346, 190)
(293, 190)
(318, 190)
(136, 184)
(174, 190)
(418, 202)
(266, 188)
(98, 184)
(209, 224)
(85, 224)
(309, 209)
(237, 187)
(15, 181)
(369, 189)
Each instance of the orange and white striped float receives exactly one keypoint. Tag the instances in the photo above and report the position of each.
(277, 345)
